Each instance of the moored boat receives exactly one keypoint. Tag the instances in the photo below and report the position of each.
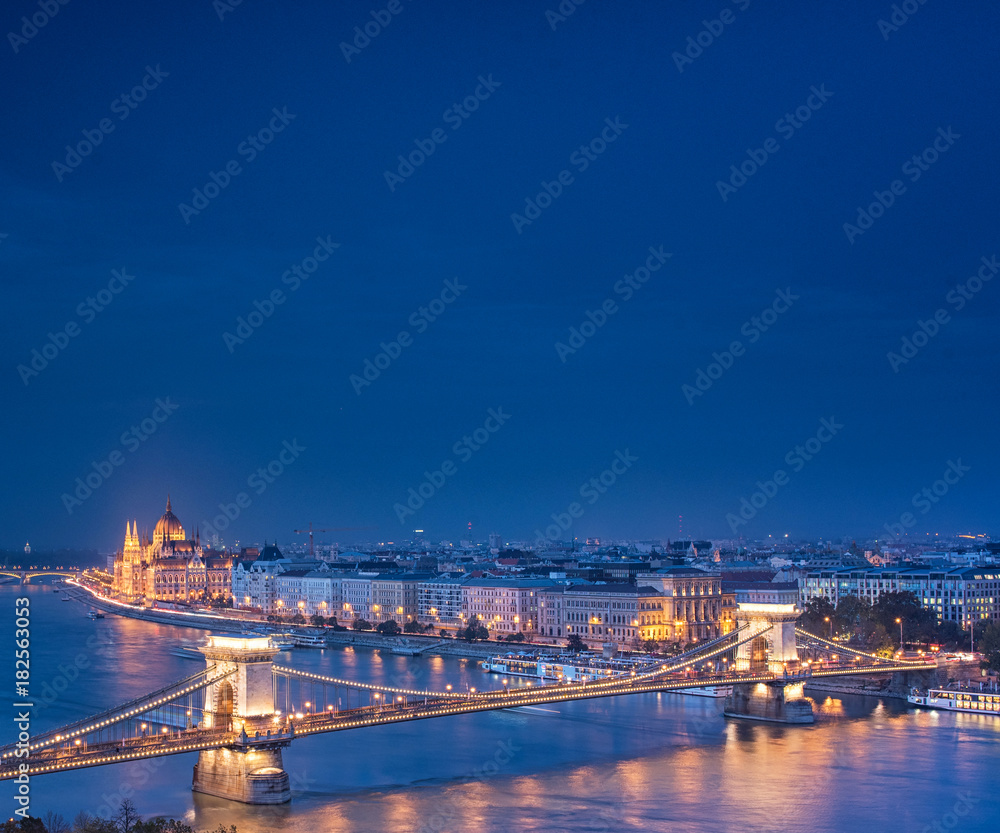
(982, 700)
(309, 640)
(581, 668)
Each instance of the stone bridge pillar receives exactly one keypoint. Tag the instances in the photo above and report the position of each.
(770, 611)
(250, 768)
(774, 648)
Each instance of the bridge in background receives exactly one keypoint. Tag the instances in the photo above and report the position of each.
(26, 575)
(241, 710)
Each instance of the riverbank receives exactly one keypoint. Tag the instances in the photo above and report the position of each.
(358, 639)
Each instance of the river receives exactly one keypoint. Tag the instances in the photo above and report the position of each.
(643, 762)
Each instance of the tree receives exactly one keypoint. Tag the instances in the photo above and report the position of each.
(514, 637)
(390, 627)
(814, 616)
(362, 625)
(444, 633)
(29, 824)
(413, 627)
(650, 646)
(852, 617)
(474, 631)
(299, 619)
(127, 817)
(317, 620)
(575, 643)
(55, 823)
(880, 643)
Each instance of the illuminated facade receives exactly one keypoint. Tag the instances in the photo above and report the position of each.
(504, 606)
(621, 613)
(168, 566)
(955, 594)
(692, 609)
(439, 601)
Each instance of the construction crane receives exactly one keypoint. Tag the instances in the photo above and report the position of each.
(310, 532)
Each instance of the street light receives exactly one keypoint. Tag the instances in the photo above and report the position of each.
(899, 622)
(829, 629)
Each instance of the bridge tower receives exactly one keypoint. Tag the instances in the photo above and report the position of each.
(250, 768)
(770, 610)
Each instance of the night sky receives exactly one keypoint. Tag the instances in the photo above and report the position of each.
(566, 241)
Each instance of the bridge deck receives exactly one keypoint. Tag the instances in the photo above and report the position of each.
(70, 756)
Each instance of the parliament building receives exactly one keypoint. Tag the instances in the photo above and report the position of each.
(168, 566)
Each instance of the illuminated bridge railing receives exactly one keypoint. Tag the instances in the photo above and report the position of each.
(836, 648)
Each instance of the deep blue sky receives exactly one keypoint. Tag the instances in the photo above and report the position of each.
(495, 346)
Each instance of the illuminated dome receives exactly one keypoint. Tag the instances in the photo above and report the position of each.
(168, 528)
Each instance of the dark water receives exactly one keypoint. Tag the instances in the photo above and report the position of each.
(643, 762)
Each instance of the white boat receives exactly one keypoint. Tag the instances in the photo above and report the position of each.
(982, 700)
(581, 668)
(95, 614)
(309, 640)
(282, 641)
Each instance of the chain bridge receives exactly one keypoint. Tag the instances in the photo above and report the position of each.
(241, 711)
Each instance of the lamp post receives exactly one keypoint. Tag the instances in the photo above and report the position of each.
(899, 621)
(829, 629)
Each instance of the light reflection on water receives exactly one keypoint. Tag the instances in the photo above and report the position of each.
(644, 762)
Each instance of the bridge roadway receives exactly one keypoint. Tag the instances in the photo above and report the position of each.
(71, 756)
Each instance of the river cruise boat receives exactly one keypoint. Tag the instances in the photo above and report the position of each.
(309, 640)
(581, 668)
(282, 641)
(984, 700)
(95, 614)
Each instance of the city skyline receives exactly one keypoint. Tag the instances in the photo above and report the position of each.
(444, 265)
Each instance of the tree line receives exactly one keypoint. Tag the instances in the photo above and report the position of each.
(875, 626)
